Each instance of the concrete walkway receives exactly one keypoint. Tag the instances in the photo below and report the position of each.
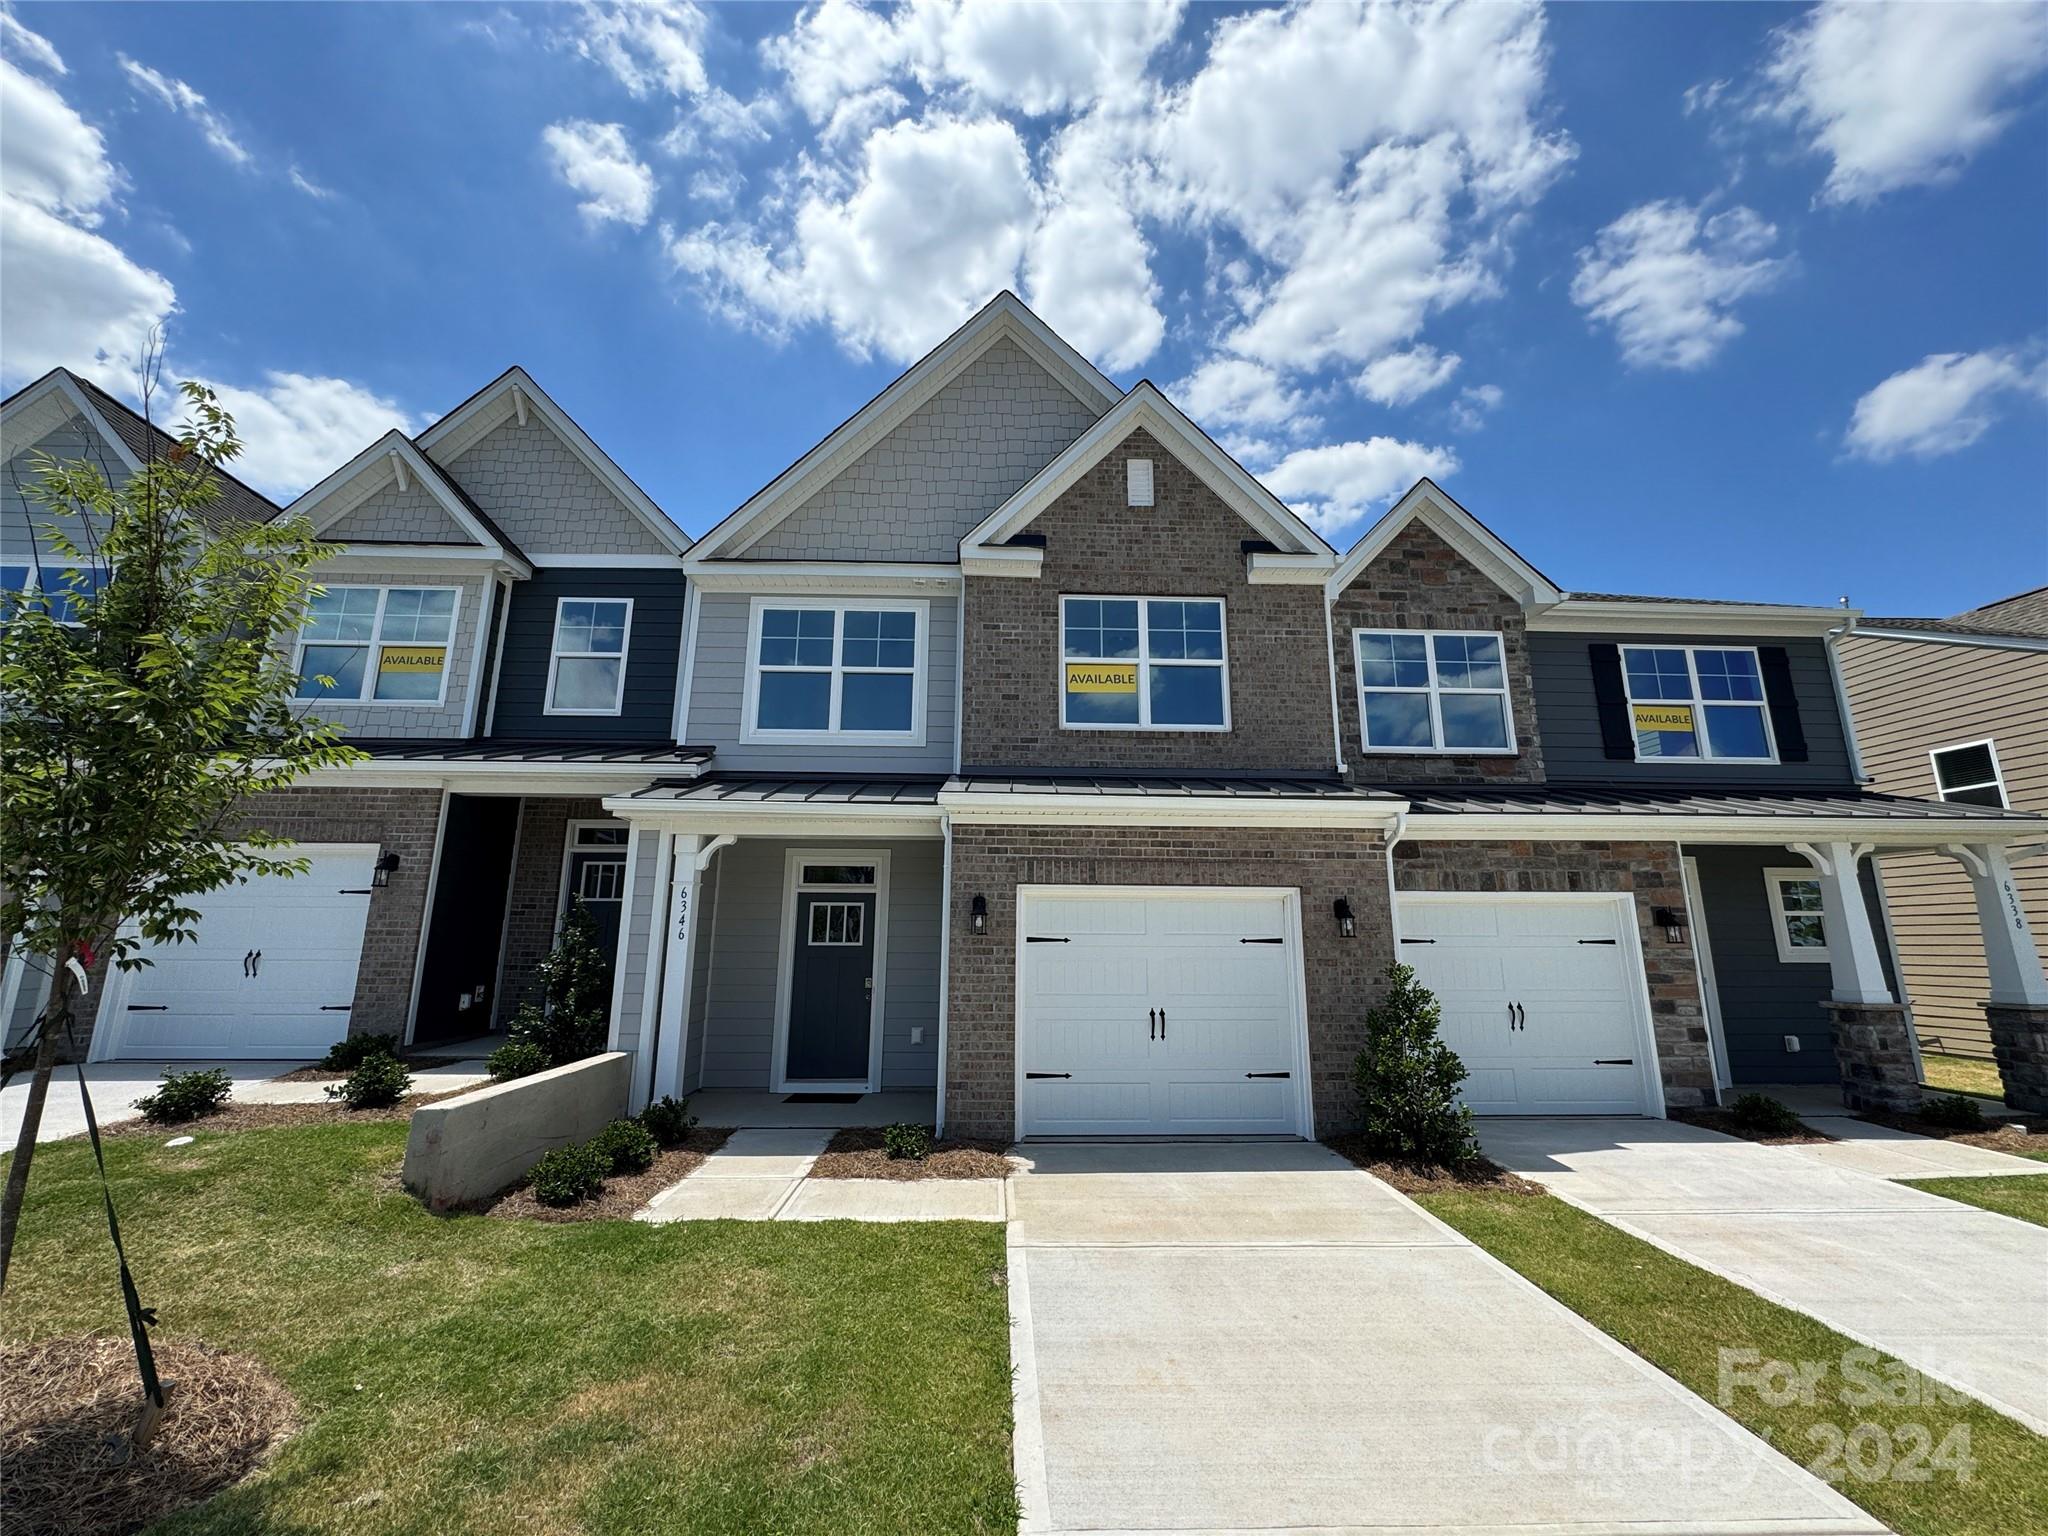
(1891, 1154)
(1956, 1292)
(1227, 1337)
(764, 1175)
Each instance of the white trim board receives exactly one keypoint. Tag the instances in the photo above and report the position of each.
(384, 462)
(793, 861)
(1427, 503)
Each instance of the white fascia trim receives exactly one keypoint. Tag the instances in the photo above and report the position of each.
(971, 808)
(779, 819)
(1776, 831)
(610, 562)
(1266, 568)
(351, 557)
(1020, 560)
(1935, 637)
(1004, 316)
(1576, 616)
(1146, 407)
(481, 778)
(391, 452)
(59, 383)
(1427, 501)
(850, 577)
(516, 380)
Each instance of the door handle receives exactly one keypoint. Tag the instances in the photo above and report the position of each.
(1151, 1023)
(1511, 1018)
(1162, 1023)
(256, 964)
(1521, 1017)
(247, 956)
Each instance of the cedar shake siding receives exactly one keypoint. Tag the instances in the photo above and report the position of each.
(1189, 544)
(1420, 583)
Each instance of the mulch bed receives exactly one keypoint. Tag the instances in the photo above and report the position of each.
(1432, 1178)
(1720, 1120)
(323, 1075)
(272, 1117)
(1993, 1137)
(858, 1154)
(624, 1193)
(68, 1405)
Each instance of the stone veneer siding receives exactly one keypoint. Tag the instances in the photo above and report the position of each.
(1188, 544)
(1420, 582)
(1651, 871)
(1344, 976)
(534, 907)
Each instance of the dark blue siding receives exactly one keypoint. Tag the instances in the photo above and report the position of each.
(653, 652)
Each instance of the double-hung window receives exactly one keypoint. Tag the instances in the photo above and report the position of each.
(587, 664)
(1969, 773)
(1429, 691)
(841, 669)
(58, 584)
(1796, 918)
(1699, 703)
(1143, 663)
(384, 645)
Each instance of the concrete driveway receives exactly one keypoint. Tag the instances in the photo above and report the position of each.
(1956, 1292)
(1227, 1337)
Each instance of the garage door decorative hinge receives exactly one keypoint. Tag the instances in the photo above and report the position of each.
(1262, 941)
(1617, 1061)
(1598, 941)
(149, 1007)
(361, 890)
(1269, 1074)
(336, 1007)
(1418, 941)
(1033, 938)
(1035, 1075)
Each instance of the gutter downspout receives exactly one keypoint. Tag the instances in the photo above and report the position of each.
(1842, 700)
(1393, 905)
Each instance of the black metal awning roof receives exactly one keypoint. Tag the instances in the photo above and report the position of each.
(1164, 786)
(653, 754)
(728, 789)
(1680, 800)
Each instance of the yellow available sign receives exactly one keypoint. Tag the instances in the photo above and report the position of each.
(413, 658)
(1102, 677)
(1663, 717)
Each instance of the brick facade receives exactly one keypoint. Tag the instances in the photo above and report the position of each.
(535, 903)
(1188, 544)
(1420, 582)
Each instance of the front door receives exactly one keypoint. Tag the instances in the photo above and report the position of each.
(831, 987)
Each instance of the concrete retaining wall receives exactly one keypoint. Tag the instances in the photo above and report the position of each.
(470, 1148)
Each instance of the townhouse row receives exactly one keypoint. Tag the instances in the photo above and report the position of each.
(1016, 754)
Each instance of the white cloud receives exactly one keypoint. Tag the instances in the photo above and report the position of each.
(31, 47)
(1474, 404)
(185, 101)
(1336, 485)
(1900, 95)
(595, 160)
(1666, 279)
(310, 187)
(72, 298)
(296, 428)
(1231, 392)
(649, 46)
(1088, 270)
(719, 188)
(1942, 404)
(50, 157)
(1400, 377)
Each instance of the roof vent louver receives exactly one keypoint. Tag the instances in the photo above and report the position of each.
(1138, 482)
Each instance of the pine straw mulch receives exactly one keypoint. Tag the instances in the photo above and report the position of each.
(67, 1406)
(1481, 1174)
(273, 1117)
(623, 1194)
(858, 1154)
(1721, 1120)
(1993, 1137)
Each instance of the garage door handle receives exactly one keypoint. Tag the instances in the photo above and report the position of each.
(149, 1007)
(1597, 941)
(247, 956)
(1269, 1074)
(256, 965)
(1162, 1023)
(1034, 1076)
(1617, 1061)
(1151, 1023)
(1521, 1017)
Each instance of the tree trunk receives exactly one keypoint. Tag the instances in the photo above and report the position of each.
(54, 1021)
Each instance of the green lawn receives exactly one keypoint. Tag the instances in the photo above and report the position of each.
(1962, 1074)
(2024, 1195)
(1680, 1318)
(484, 1375)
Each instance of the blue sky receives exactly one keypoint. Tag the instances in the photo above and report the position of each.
(1711, 300)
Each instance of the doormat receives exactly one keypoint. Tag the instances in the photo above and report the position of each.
(823, 1098)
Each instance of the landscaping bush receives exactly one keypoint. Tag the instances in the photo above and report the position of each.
(1408, 1079)
(572, 1017)
(1761, 1112)
(186, 1096)
(904, 1140)
(517, 1058)
(379, 1082)
(568, 1175)
(668, 1120)
(348, 1054)
(1954, 1112)
(626, 1146)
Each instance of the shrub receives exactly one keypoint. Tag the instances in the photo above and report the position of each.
(186, 1096)
(626, 1146)
(1408, 1079)
(347, 1054)
(1954, 1112)
(668, 1120)
(904, 1140)
(517, 1058)
(570, 1020)
(1761, 1112)
(379, 1082)
(568, 1175)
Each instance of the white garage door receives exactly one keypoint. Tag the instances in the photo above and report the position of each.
(1541, 999)
(1159, 1012)
(272, 975)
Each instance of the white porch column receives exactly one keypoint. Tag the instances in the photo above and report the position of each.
(1852, 942)
(2010, 954)
(693, 855)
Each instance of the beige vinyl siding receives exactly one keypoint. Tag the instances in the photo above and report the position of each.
(1908, 698)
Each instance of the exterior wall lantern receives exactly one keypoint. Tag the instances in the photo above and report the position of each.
(1347, 924)
(1672, 921)
(380, 872)
(977, 915)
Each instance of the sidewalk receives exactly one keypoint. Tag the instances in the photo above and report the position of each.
(764, 1175)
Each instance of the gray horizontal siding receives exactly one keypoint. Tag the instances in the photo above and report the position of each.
(654, 651)
(718, 690)
(1568, 718)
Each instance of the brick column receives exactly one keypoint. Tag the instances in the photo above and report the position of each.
(2019, 1039)
(1874, 1049)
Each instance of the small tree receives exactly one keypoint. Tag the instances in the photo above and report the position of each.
(574, 1012)
(139, 722)
(1408, 1079)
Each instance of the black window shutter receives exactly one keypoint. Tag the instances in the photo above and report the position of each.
(1777, 669)
(1617, 736)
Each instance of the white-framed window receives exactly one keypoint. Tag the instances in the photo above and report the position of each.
(1969, 772)
(1796, 921)
(587, 660)
(377, 645)
(838, 923)
(836, 669)
(1433, 691)
(1697, 703)
(1143, 664)
(60, 583)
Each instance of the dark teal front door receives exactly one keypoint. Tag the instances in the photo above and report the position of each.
(831, 987)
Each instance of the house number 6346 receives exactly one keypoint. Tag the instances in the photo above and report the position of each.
(682, 915)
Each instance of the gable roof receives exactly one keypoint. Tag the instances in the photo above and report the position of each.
(1004, 317)
(398, 451)
(1428, 503)
(513, 393)
(2024, 613)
